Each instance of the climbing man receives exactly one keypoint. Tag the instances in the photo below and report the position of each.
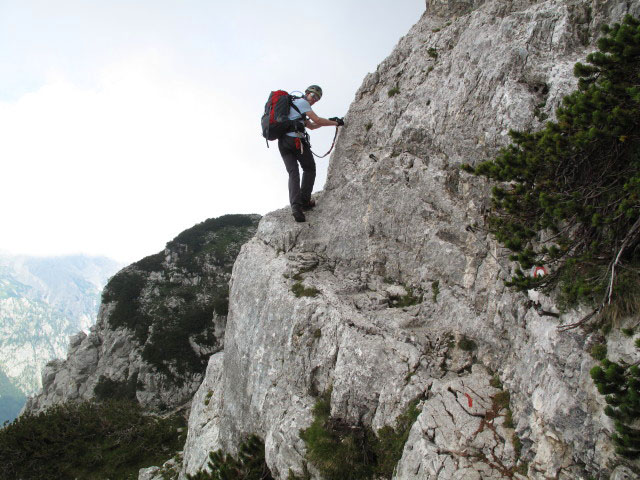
(295, 148)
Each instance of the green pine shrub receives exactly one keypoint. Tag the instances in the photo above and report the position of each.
(249, 465)
(501, 400)
(152, 263)
(435, 290)
(299, 290)
(523, 467)
(620, 384)
(169, 345)
(517, 448)
(495, 382)
(341, 451)
(599, 351)
(108, 389)
(125, 289)
(216, 237)
(92, 441)
(538, 113)
(393, 91)
(338, 450)
(569, 195)
(391, 440)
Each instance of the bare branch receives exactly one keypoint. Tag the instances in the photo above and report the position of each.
(571, 326)
(633, 231)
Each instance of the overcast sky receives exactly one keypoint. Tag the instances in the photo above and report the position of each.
(124, 122)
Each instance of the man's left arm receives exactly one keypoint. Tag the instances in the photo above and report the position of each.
(314, 121)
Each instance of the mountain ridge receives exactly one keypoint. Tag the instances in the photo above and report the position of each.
(160, 319)
(392, 294)
(43, 301)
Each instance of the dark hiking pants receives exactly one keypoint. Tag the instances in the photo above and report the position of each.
(298, 194)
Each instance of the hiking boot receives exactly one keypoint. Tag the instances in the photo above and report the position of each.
(309, 205)
(297, 214)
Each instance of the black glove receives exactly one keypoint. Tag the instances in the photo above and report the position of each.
(339, 120)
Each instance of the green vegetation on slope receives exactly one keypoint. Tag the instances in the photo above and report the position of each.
(620, 383)
(170, 303)
(249, 464)
(87, 440)
(216, 238)
(569, 196)
(108, 389)
(341, 451)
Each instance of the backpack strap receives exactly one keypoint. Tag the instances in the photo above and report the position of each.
(303, 116)
(293, 105)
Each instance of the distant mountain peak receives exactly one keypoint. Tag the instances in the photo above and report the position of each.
(43, 301)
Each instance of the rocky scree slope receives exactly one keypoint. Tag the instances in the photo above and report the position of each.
(160, 320)
(402, 276)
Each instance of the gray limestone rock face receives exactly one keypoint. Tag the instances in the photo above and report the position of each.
(203, 433)
(170, 470)
(151, 473)
(451, 8)
(374, 296)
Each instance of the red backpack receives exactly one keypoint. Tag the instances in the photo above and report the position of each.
(275, 120)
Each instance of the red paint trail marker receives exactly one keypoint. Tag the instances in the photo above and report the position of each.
(470, 399)
(539, 271)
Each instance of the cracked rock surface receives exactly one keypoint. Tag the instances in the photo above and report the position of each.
(460, 432)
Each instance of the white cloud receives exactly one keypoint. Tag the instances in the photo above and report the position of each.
(126, 165)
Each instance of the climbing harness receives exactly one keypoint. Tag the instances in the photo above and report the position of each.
(302, 139)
